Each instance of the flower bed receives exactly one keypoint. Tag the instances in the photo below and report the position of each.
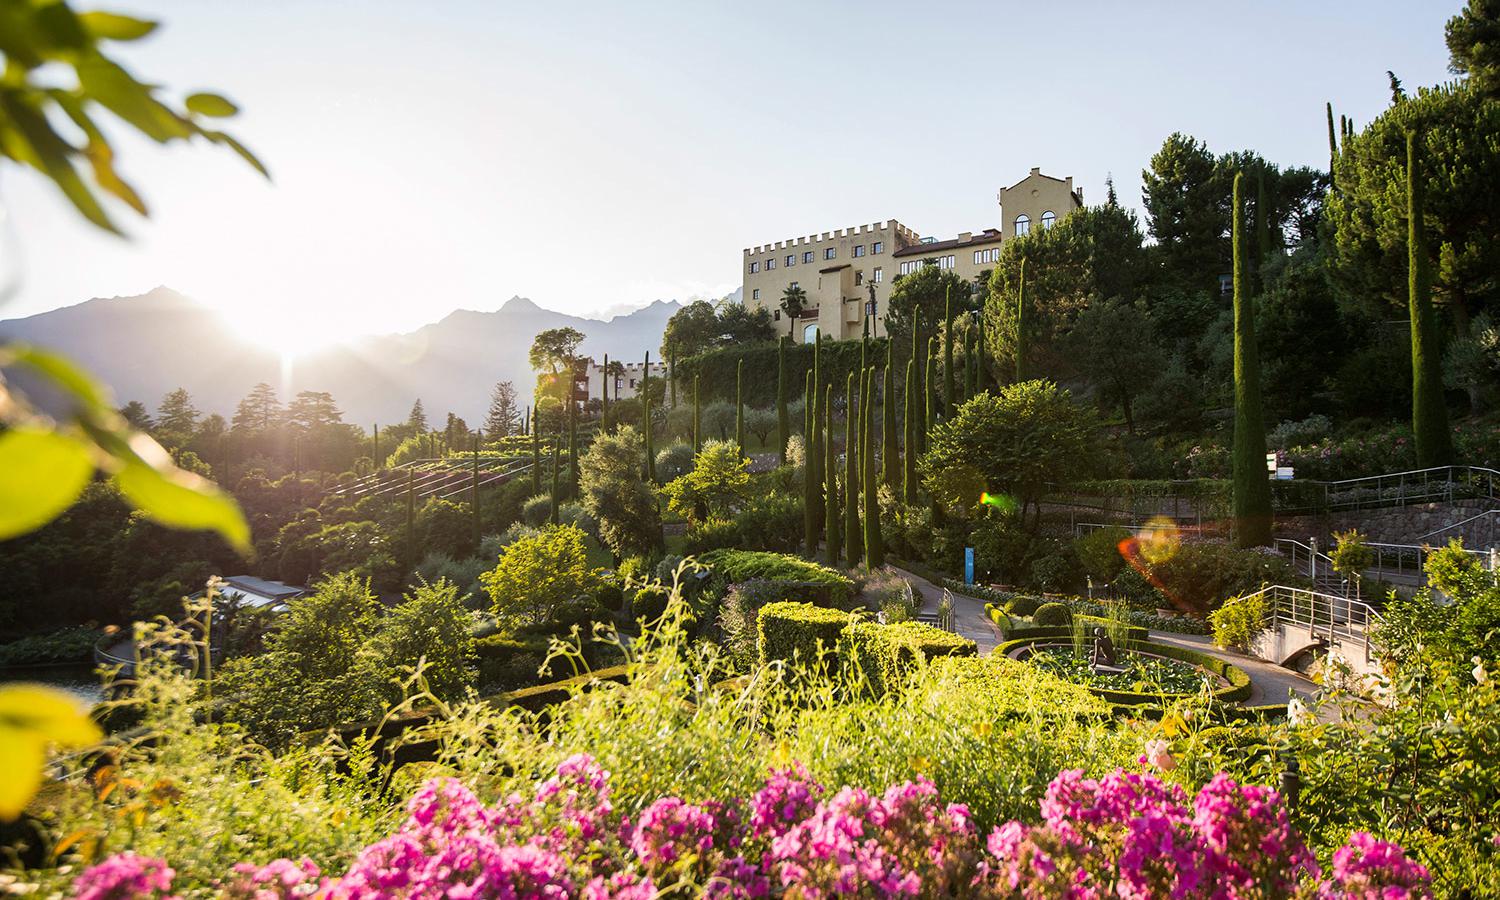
(1234, 687)
(1127, 834)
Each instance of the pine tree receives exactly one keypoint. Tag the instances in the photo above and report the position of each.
(1252, 488)
(502, 418)
(830, 479)
(783, 419)
(948, 383)
(890, 456)
(416, 420)
(739, 405)
(852, 536)
(1429, 415)
(909, 482)
(874, 546)
(1021, 342)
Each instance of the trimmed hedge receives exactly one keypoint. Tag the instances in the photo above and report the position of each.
(720, 369)
(1050, 615)
(1239, 682)
(1014, 630)
(1019, 604)
(806, 581)
(789, 630)
(887, 654)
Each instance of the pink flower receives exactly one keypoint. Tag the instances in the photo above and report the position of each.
(1158, 755)
(125, 876)
(1370, 869)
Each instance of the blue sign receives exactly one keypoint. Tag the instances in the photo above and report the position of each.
(968, 565)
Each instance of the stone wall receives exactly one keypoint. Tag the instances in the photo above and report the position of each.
(1399, 525)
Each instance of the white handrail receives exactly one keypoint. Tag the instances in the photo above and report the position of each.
(1333, 616)
(1488, 512)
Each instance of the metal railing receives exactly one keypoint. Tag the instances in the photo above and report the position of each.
(1315, 565)
(1341, 620)
(1433, 485)
(1491, 515)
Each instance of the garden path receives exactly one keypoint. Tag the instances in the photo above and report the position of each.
(1269, 683)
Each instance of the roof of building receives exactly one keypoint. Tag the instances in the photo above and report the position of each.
(987, 236)
(1038, 173)
(272, 590)
(833, 268)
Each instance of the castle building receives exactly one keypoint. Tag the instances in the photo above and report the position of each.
(847, 274)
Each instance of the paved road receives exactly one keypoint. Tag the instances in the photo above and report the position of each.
(1269, 683)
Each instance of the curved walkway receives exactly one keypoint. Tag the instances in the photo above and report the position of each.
(1269, 683)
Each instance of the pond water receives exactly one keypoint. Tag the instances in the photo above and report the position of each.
(77, 680)
(1142, 673)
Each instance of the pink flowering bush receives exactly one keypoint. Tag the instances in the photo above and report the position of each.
(1127, 835)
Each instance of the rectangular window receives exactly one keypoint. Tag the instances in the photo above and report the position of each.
(771, 263)
(977, 256)
(859, 249)
(829, 253)
(791, 260)
(859, 276)
(754, 267)
(807, 257)
(755, 294)
(878, 275)
(776, 315)
(877, 247)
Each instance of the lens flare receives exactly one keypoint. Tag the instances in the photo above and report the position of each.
(1158, 540)
(1002, 502)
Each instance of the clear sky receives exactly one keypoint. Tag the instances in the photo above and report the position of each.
(435, 155)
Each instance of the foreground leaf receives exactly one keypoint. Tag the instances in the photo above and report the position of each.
(41, 473)
(184, 500)
(210, 105)
(31, 718)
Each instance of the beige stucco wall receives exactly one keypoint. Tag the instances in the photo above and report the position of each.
(1034, 196)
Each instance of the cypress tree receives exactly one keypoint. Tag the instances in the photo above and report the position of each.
(851, 476)
(929, 414)
(890, 456)
(739, 405)
(815, 459)
(874, 547)
(1021, 348)
(909, 485)
(604, 396)
(783, 420)
(552, 517)
(1333, 149)
(948, 395)
(536, 461)
(830, 479)
(1252, 488)
(1429, 415)
(646, 420)
(812, 496)
(375, 453)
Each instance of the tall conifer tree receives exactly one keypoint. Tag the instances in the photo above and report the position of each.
(909, 452)
(890, 456)
(739, 405)
(1429, 414)
(852, 536)
(1252, 487)
(949, 397)
(1022, 347)
(830, 479)
(783, 420)
(874, 547)
(697, 414)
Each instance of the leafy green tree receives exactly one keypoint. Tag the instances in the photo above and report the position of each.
(311, 411)
(555, 350)
(503, 418)
(1115, 346)
(1367, 216)
(760, 422)
(1429, 413)
(1472, 363)
(720, 417)
(1301, 333)
(1252, 489)
(739, 324)
(537, 574)
(1015, 443)
(1180, 195)
(922, 297)
(691, 330)
(739, 406)
(447, 527)
(615, 494)
(718, 482)
(432, 627)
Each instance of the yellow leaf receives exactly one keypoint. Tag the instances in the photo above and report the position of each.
(183, 500)
(54, 716)
(22, 755)
(41, 473)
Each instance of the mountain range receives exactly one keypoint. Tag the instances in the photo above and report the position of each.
(147, 345)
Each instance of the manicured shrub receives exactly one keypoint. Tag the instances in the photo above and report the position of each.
(1023, 605)
(887, 654)
(1053, 614)
(1238, 621)
(820, 582)
(773, 522)
(798, 631)
(507, 663)
(537, 510)
(712, 533)
(649, 603)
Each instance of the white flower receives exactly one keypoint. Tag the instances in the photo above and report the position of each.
(1297, 712)
(1480, 675)
(1158, 755)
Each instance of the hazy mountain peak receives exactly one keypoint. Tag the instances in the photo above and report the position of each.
(519, 304)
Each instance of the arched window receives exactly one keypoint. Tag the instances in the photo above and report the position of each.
(1023, 225)
(1049, 218)
(810, 333)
